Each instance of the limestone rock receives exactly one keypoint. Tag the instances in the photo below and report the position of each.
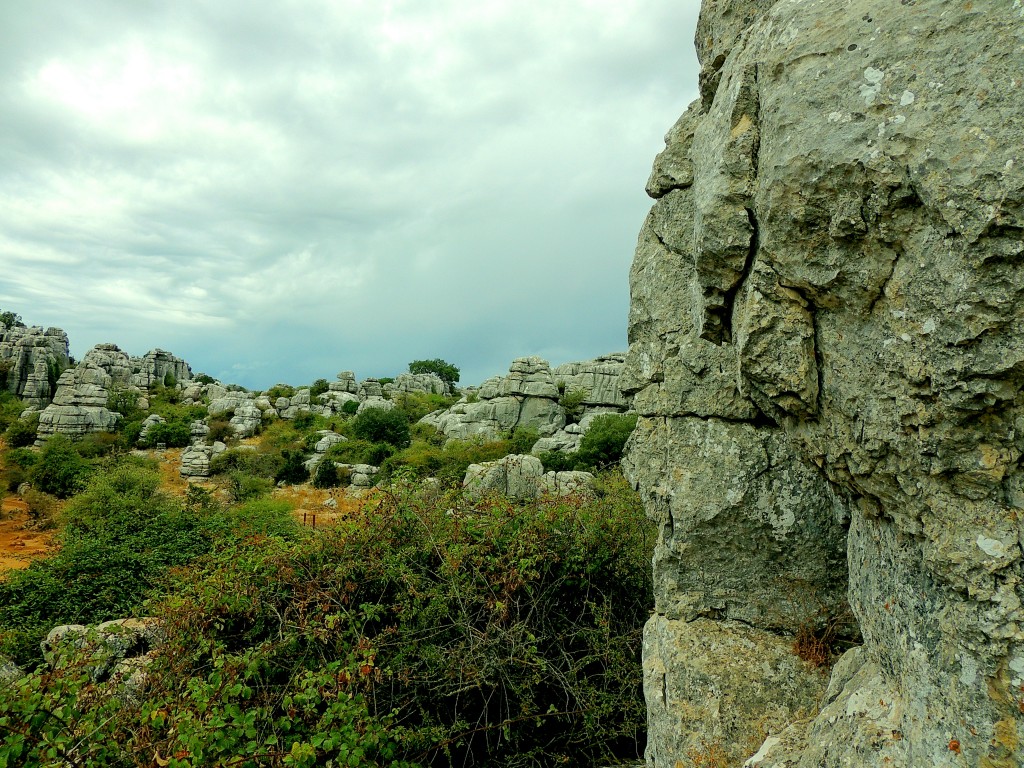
(599, 378)
(375, 401)
(31, 360)
(826, 304)
(9, 672)
(522, 477)
(426, 383)
(346, 383)
(247, 419)
(148, 422)
(195, 461)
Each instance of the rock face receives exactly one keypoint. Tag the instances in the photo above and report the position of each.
(827, 357)
(523, 478)
(528, 396)
(31, 360)
(79, 404)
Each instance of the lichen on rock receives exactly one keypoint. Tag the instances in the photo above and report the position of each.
(827, 356)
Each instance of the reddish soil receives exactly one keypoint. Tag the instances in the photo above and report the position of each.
(19, 545)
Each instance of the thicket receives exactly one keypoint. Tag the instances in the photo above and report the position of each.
(426, 631)
(601, 447)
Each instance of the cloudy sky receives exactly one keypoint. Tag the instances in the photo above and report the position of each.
(279, 191)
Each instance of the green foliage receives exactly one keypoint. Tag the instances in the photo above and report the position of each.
(572, 401)
(10, 319)
(416, 405)
(60, 471)
(220, 430)
(174, 434)
(244, 487)
(326, 475)
(6, 366)
(264, 464)
(98, 444)
(293, 469)
(379, 425)
(53, 372)
(604, 441)
(125, 402)
(120, 534)
(350, 407)
(444, 370)
(169, 380)
(522, 439)
(203, 378)
(10, 409)
(22, 433)
(306, 421)
(385, 380)
(447, 461)
(360, 452)
(279, 390)
(318, 387)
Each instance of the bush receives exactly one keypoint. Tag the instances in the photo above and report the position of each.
(318, 387)
(326, 475)
(293, 470)
(416, 405)
(444, 370)
(350, 407)
(379, 425)
(279, 390)
(256, 463)
(22, 433)
(120, 535)
(169, 381)
(60, 471)
(572, 401)
(244, 487)
(203, 378)
(604, 441)
(97, 444)
(360, 452)
(173, 434)
(220, 430)
(10, 409)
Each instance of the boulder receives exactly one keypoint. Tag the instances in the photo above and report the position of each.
(195, 461)
(826, 357)
(422, 383)
(31, 360)
(522, 477)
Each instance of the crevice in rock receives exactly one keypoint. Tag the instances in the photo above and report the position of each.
(729, 299)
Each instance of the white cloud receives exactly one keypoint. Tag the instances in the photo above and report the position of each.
(339, 184)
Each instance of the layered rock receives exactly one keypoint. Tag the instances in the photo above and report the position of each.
(528, 396)
(826, 304)
(421, 383)
(79, 405)
(31, 361)
(522, 478)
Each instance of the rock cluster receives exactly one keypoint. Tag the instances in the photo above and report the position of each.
(79, 405)
(522, 478)
(826, 355)
(31, 360)
(529, 395)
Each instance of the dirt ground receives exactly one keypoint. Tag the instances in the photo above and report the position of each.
(19, 545)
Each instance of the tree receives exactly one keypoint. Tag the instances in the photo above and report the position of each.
(380, 425)
(445, 371)
(10, 319)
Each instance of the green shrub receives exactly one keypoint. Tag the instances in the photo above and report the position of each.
(360, 452)
(326, 475)
(244, 487)
(220, 430)
(173, 434)
(97, 444)
(60, 471)
(318, 387)
(416, 405)
(22, 432)
(522, 439)
(307, 420)
(279, 390)
(293, 469)
(557, 461)
(350, 407)
(605, 439)
(10, 409)
(203, 378)
(572, 401)
(265, 464)
(169, 380)
(444, 370)
(379, 425)
(120, 535)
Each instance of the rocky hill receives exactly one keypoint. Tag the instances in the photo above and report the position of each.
(826, 351)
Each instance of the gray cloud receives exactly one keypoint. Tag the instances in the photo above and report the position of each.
(278, 193)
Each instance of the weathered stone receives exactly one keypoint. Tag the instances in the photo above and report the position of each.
(31, 360)
(374, 401)
(426, 383)
(195, 461)
(826, 303)
(9, 672)
(515, 476)
(599, 378)
(247, 419)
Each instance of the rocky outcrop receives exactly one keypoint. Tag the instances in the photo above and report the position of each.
(522, 478)
(31, 361)
(826, 356)
(420, 383)
(529, 395)
(79, 405)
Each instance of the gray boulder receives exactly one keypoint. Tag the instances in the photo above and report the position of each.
(30, 357)
(826, 356)
(522, 477)
(195, 461)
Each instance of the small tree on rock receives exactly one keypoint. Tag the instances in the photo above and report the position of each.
(445, 371)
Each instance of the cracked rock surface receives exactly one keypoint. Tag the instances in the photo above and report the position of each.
(827, 356)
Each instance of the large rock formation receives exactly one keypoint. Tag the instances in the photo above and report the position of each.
(530, 395)
(31, 361)
(826, 350)
(80, 403)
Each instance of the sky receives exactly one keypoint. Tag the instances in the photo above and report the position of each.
(277, 192)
